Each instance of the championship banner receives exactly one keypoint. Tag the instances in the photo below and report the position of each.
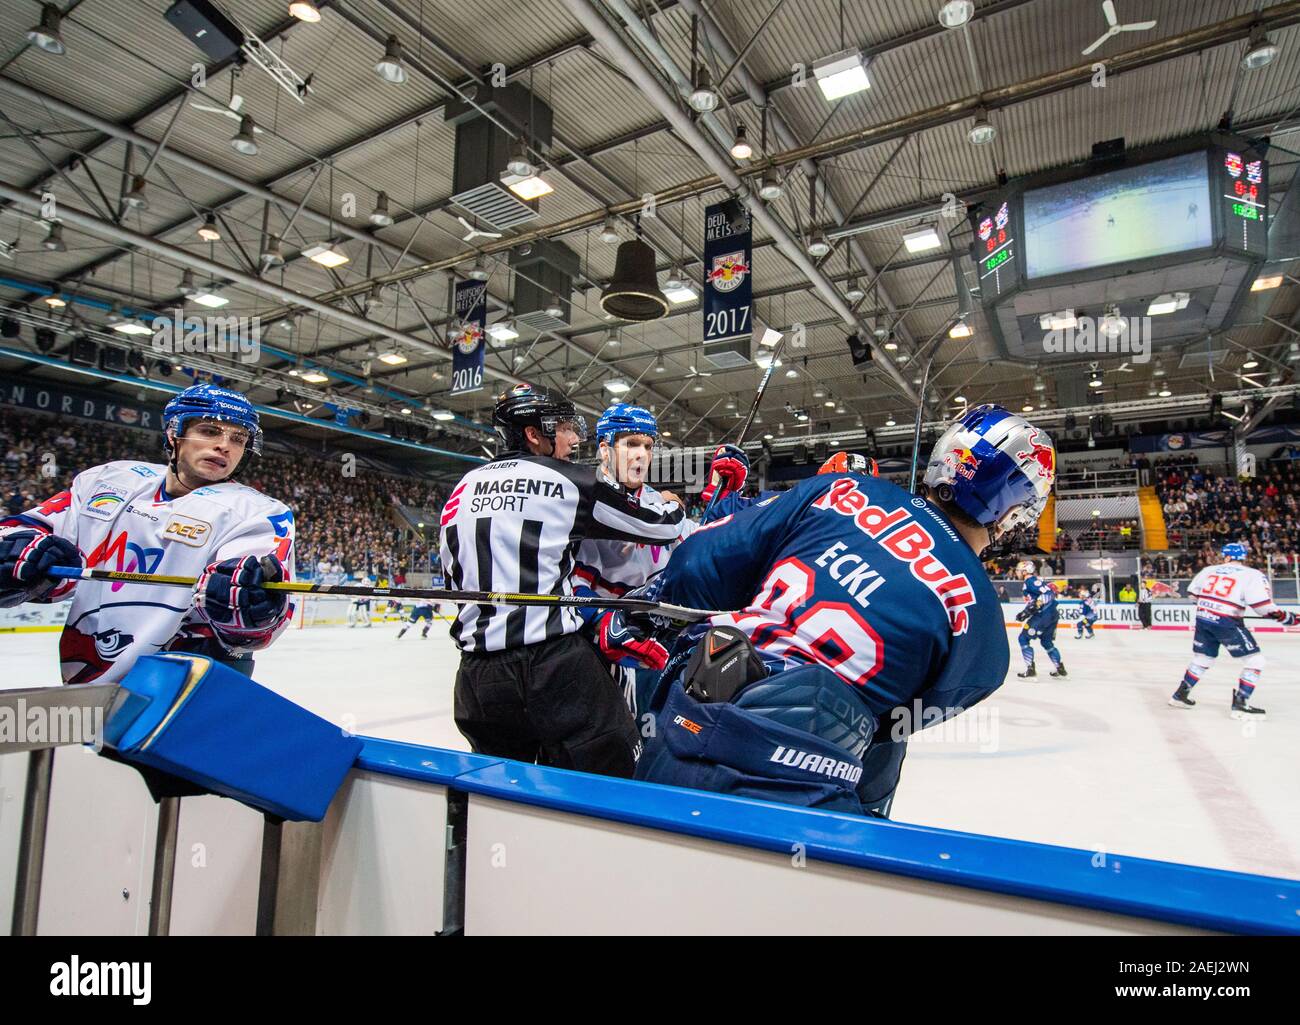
(468, 337)
(56, 398)
(728, 273)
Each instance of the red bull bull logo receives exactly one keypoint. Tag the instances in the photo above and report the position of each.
(468, 337)
(965, 462)
(729, 271)
(1042, 453)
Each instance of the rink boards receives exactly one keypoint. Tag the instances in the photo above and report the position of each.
(1165, 615)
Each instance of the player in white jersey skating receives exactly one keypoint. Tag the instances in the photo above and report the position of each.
(627, 436)
(1224, 594)
(185, 518)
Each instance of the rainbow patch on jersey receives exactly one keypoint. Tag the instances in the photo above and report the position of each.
(105, 500)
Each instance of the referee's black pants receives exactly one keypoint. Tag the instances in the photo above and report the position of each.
(1144, 614)
(553, 703)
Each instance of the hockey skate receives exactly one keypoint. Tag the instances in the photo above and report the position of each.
(1029, 671)
(1182, 697)
(1059, 672)
(1242, 708)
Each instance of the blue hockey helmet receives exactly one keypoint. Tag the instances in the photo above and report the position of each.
(995, 466)
(211, 402)
(1234, 550)
(625, 418)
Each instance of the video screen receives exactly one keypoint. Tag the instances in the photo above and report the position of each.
(1138, 212)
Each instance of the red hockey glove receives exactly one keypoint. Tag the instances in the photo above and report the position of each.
(727, 473)
(25, 555)
(1284, 617)
(620, 638)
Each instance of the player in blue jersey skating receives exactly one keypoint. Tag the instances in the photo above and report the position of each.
(1040, 617)
(420, 610)
(1088, 614)
(865, 614)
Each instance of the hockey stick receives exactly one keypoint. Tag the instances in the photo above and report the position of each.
(749, 420)
(430, 593)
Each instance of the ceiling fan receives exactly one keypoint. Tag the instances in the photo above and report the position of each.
(476, 232)
(1108, 9)
(232, 111)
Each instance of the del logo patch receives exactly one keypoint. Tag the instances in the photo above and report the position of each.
(187, 530)
(105, 500)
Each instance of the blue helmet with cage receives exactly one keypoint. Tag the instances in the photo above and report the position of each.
(1234, 550)
(624, 418)
(995, 466)
(211, 402)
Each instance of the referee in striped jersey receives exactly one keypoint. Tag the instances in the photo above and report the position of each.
(530, 687)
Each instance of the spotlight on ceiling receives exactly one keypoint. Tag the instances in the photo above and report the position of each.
(704, 97)
(272, 255)
(243, 141)
(982, 132)
(479, 272)
(54, 240)
(771, 189)
(305, 10)
(854, 292)
(379, 216)
(818, 246)
(956, 13)
(389, 67)
(1259, 52)
(136, 198)
(208, 229)
(326, 255)
(922, 239)
(740, 147)
(609, 231)
(46, 34)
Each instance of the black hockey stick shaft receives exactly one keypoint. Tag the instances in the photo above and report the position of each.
(753, 411)
(427, 593)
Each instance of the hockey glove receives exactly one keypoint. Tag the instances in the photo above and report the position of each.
(25, 556)
(231, 597)
(727, 473)
(621, 637)
(1024, 614)
(1284, 617)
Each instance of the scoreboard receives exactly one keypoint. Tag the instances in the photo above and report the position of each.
(996, 250)
(1243, 180)
(1178, 203)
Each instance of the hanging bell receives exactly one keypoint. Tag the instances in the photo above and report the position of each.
(634, 293)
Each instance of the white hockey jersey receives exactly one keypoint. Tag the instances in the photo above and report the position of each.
(121, 518)
(612, 568)
(1231, 590)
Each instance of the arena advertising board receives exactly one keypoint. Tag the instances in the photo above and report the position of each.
(56, 398)
(1124, 616)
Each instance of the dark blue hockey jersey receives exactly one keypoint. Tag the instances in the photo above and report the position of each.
(1042, 595)
(856, 574)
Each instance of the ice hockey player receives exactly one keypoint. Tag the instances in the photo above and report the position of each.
(626, 435)
(730, 471)
(1088, 614)
(359, 608)
(530, 686)
(1224, 593)
(1040, 617)
(865, 615)
(420, 610)
(185, 518)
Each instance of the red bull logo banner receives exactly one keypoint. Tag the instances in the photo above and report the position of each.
(468, 336)
(728, 275)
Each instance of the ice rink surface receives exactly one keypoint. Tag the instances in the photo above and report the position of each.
(1098, 761)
